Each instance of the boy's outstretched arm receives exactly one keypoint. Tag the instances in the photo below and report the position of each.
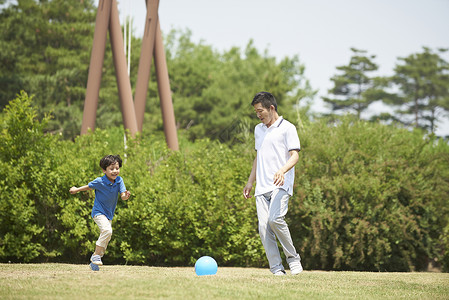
(125, 195)
(74, 189)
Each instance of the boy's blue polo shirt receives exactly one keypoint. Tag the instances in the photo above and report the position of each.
(106, 195)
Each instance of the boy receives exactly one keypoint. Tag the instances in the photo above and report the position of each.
(106, 189)
(277, 146)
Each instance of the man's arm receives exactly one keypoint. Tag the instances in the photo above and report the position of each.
(291, 162)
(252, 177)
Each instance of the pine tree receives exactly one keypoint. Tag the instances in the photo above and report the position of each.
(423, 80)
(45, 51)
(354, 89)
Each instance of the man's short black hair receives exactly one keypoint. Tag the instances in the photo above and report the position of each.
(266, 99)
(108, 160)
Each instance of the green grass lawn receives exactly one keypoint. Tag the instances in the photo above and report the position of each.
(65, 281)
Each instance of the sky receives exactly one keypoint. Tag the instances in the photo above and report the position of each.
(320, 32)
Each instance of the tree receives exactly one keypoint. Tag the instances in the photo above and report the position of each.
(212, 91)
(46, 48)
(46, 51)
(354, 89)
(423, 80)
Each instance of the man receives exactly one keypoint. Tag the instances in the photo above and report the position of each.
(277, 145)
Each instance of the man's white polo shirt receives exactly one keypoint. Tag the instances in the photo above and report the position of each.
(273, 145)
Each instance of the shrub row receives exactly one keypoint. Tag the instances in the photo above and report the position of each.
(367, 197)
(371, 197)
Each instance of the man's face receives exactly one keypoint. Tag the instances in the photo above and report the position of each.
(265, 115)
(112, 171)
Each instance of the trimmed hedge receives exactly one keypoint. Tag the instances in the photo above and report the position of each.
(371, 197)
(367, 197)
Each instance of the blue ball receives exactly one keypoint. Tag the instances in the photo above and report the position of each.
(206, 265)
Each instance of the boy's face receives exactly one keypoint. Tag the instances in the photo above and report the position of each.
(112, 171)
(265, 115)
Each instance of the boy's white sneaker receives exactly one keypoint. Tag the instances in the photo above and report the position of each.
(96, 259)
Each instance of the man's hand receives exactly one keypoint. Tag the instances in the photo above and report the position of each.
(247, 190)
(279, 178)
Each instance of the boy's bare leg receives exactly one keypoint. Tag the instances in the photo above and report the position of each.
(99, 250)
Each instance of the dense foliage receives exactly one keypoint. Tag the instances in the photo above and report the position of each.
(367, 197)
(183, 203)
(46, 51)
(46, 48)
(423, 79)
(354, 87)
(212, 90)
(371, 197)
(418, 92)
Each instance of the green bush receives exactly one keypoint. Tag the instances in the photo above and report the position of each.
(187, 204)
(38, 218)
(184, 204)
(367, 197)
(370, 197)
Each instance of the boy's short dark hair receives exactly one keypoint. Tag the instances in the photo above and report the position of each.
(266, 99)
(110, 160)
